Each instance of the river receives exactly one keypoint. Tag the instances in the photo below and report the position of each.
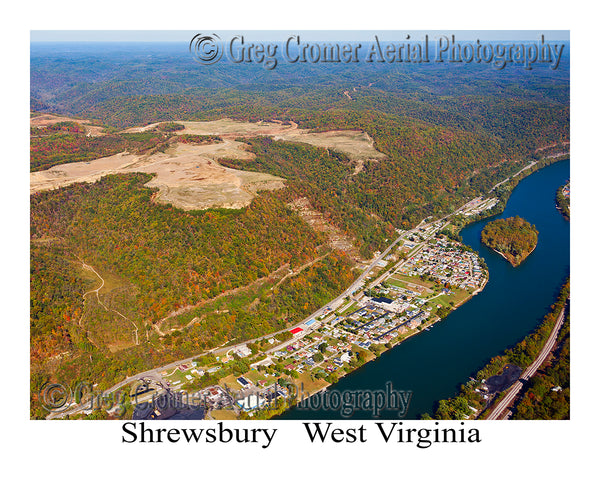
(433, 364)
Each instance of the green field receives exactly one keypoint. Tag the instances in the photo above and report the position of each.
(444, 300)
(400, 280)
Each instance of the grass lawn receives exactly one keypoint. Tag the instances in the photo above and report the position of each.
(444, 300)
(410, 279)
(304, 382)
(460, 296)
(344, 308)
(223, 415)
(254, 376)
(231, 382)
(396, 283)
(368, 354)
(177, 375)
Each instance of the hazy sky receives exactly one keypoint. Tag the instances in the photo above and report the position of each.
(275, 35)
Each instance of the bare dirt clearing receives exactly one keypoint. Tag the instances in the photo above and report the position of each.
(187, 176)
(190, 177)
(336, 238)
(354, 143)
(45, 120)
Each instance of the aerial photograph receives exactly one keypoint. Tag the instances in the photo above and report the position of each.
(299, 225)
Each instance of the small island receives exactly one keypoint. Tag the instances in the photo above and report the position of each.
(514, 238)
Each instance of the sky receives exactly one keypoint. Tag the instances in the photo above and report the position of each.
(274, 35)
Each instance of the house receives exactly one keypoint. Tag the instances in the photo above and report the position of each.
(243, 351)
(296, 331)
(382, 300)
(346, 357)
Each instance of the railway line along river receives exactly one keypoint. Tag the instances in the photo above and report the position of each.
(433, 364)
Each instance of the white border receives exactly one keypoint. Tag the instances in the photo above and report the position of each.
(93, 449)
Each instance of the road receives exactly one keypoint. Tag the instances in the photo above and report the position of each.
(554, 155)
(332, 305)
(513, 176)
(498, 411)
(96, 291)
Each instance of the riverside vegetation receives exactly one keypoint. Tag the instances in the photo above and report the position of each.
(514, 238)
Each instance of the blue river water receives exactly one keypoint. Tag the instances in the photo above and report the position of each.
(433, 364)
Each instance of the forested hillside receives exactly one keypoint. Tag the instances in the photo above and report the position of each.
(155, 259)
(175, 283)
(48, 150)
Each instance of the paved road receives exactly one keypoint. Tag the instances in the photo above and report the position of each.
(332, 305)
(507, 179)
(498, 411)
(156, 371)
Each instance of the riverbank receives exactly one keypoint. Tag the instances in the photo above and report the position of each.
(563, 200)
(510, 307)
(511, 261)
(475, 400)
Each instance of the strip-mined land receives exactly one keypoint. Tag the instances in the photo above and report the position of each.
(190, 177)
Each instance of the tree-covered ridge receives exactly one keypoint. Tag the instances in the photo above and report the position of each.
(175, 258)
(514, 238)
(169, 127)
(156, 259)
(429, 170)
(56, 299)
(198, 139)
(326, 178)
(58, 148)
(58, 127)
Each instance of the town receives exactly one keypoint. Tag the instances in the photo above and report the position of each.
(414, 285)
(418, 280)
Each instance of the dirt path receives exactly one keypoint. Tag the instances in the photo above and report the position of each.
(96, 290)
(91, 269)
(157, 326)
(300, 269)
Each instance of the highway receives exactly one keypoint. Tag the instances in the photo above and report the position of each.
(498, 411)
(156, 371)
(332, 305)
(531, 164)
